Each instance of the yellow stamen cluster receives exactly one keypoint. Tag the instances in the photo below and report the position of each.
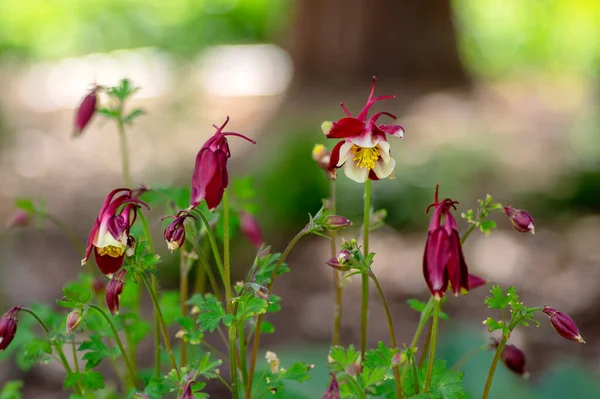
(111, 250)
(366, 157)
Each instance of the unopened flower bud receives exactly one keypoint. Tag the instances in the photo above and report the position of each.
(476, 282)
(333, 392)
(85, 112)
(251, 228)
(114, 288)
(564, 325)
(264, 250)
(521, 220)
(262, 293)
(336, 222)
(73, 320)
(340, 261)
(399, 358)
(20, 218)
(513, 358)
(273, 361)
(175, 232)
(8, 327)
(321, 155)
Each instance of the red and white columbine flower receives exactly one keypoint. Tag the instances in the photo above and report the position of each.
(364, 151)
(109, 236)
(210, 177)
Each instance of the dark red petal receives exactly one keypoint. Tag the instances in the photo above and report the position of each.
(206, 167)
(84, 113)
(90, 242)
(394, 130)
(334, 158)
(372, 175)
(435, 259)
(116, 226)
(346, 127)
(216, 187)
(458, 272)
(476, 282)
(107, 264)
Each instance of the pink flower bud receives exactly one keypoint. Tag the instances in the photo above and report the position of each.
(333, 392)
(521, 220)
(564, 325)
(8, 327)
(340, 261)
(73, 320)
(114, 288)
(20, 218)
(335, 222)
(251, 228)
(85, 112)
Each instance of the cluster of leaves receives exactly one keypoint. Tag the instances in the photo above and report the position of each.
(118, 95)
(479, 217)
(508, 300)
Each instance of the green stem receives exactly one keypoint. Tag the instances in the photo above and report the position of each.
(161, 320)
(124, 150)
(415, 374)
(422, 323)
(466, 357)
(425, 349)
(183, 296)
(434, 329)
(390, 323)
(488, 381)
(157, 346)
(229, 296)
(213, 242)
(364, 312)
(243, 360)
(358, 388)
(130, 368)
(467, 234)
(78, 389)
(259, 321)
(209, 273)
(75, 361)
(337, 310)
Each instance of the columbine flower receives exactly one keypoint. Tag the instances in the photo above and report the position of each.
(333, 392)
(73, 320)
(521, 220)
(8, 327)
(85, 112)
(109, 235)
(175, 231)
(443, 260)
(513, 358)
(114, 288)
(340, 262)
(251, 228)
(210, 177)
(364, 150)
(564, 325)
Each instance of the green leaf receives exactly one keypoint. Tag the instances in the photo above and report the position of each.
(266, 266)
(297, 372)
(170, 306)
(417, 305)
(72, 380)
(92, 380)
(206, 367)
(35, 350)
(249, 305)
(156, 388)
(211, 313)
(190, 333)
(11, 390)
(343, 358)
(380, 357)
(26, 205)
(497, 299)
(108, 113)
(445, 382)
(267, 327)
(96, 351)
(492, 324)
(487, 226)
(133, 114)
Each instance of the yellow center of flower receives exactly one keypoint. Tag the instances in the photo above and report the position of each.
(366, 157)
(111, 250)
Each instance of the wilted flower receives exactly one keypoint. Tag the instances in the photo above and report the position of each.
(321, 156)
(273, 361)
(8, 327)
(114, 288)
(513, 358)
(110, 232)
(476, 282)
(175, 231)
(339, 262)
(336, 222)
(251, 228)
(20, 218)
(85, 112)
(333, 392)
(364, 149)
(73, 320)
(521, 220)
(210, 177)
(564, 325)
(443, 260)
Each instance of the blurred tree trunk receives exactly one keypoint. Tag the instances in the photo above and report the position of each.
(341, 42)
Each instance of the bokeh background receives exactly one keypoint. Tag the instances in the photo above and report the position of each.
(496, 97)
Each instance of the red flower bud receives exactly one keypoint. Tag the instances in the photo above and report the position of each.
(340, 261)
(73, 320)
(175, 231)
(513, 358)
(20, 218)
(335, 222)
(85, 112)
(564, 325)
(251, 228)
(521, 220)
(333, 392)
(8, 327)
(114, 288)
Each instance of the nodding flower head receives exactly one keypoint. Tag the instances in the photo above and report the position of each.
(513, 358)
(110, 232)
(8, 327)
(563, 325)
(73, 320)
(175, 231)
(251, 228)
(210, 177)
(333, 392)
(85, 111)
(521, 220)
(114, 288)
(364, 149)
(443, 259)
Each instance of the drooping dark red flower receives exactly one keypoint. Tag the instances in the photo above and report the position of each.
(8, 327)
(114, 289)
(333, 392)
(251, 228)
(521, 220)
(564, 325)
(364, 149)
(85, 112)
(110, 233)
(512, 357)
(175, 231)
(210, 177)
(443, 259)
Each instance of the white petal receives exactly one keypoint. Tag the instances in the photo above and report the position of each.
(384, 169)
(384, 148)
(104, 239)
(365, 140)
(356, 173)
(345, 150)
